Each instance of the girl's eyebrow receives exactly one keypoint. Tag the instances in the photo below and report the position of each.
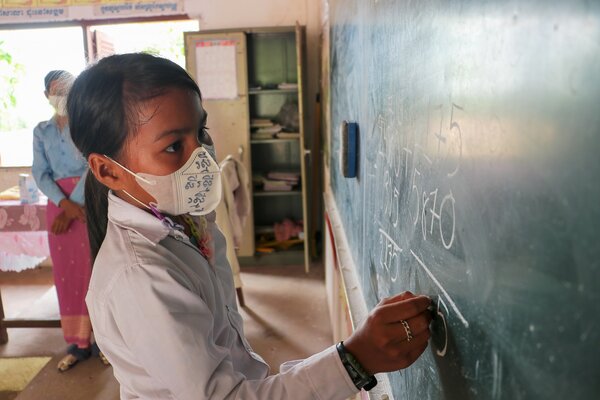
(181, 131)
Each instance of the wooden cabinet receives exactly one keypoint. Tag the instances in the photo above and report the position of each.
(249, 77)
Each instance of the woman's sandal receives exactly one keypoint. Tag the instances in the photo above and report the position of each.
(96, 352)
(74, 355)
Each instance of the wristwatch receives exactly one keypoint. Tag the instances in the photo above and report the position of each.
(360, 377)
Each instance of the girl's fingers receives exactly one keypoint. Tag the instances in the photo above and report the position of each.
(404, 348)
(416, 325)
(401, 310)
(414, 354)
(399, 297)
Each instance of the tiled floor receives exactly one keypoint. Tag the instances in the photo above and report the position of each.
(286, 318)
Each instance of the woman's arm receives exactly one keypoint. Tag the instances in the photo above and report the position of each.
(77, 196)
(41, 170)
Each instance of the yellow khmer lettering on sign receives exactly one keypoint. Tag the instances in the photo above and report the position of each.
(46, 3)
(18, 3)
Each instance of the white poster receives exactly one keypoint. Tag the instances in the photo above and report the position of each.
(216, 69)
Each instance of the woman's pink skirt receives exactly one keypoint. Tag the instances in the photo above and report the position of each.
(70, 252)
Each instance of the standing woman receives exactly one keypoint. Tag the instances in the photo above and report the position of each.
(59, 171)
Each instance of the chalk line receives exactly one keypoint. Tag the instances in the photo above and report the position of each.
(439, 285)
(390, 239)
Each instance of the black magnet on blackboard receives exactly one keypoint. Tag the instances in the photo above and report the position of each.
(349, 149)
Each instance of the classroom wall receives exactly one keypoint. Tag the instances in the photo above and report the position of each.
(231, 14)
(9, 176)
(227, 14)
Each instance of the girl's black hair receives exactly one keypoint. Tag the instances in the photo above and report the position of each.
(103, 109)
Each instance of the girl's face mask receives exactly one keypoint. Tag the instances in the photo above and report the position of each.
(195, 188)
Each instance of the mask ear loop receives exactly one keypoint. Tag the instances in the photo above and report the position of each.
(136, 200)
(148, 207)
(131, 172)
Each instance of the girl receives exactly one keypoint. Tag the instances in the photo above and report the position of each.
(161, 297)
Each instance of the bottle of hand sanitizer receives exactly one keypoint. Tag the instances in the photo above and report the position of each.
(28, 189)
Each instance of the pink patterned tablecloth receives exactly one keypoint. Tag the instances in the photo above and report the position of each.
(23, 235)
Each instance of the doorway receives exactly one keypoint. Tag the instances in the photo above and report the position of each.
(26, 55)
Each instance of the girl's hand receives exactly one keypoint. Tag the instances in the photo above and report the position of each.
(381, 343)
(61, 224)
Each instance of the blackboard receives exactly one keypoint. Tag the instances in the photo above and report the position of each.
(478, 184)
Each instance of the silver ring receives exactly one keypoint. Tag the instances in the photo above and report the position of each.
(409, 335)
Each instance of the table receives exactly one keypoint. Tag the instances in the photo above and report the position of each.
(23, 245)
(23, 236)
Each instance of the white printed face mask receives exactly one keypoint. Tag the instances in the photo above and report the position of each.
(210, 148)
(59, 103)
(195, 188)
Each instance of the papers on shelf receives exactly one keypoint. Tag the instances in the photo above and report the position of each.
(287, 135)
(277, 181)
(260, 122)
(263, 128)
(273, 129)
(262, 136)
(289, 86)
(292, 177)
(276, 186)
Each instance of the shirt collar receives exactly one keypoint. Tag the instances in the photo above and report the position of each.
(128, 216)
(52, 121)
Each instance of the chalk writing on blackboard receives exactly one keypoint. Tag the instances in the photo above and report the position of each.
(389, 257)
(427, 205)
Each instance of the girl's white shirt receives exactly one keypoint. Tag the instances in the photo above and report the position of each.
(167, 321)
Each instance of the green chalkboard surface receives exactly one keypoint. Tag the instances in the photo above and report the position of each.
(478, 184)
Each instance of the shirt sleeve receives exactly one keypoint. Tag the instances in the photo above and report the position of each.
(169, 328)
(42, 172)
(78, 193)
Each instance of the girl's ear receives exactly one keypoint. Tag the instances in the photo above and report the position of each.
(106, 171)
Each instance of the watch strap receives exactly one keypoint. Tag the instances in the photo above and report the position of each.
(358, 375)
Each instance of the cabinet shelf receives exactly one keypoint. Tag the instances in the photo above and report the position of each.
(261, 193)
(264, 141)
(264, 229)
(269, 64)
(272, 91)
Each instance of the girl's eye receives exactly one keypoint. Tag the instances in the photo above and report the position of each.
(202, 133)
(174, 148)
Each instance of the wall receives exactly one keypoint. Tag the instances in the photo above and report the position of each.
(229, 14)
(9, 176)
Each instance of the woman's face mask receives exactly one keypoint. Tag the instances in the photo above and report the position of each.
(59, 103)
(195, 188)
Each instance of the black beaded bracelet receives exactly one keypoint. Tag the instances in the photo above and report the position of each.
(360, 377)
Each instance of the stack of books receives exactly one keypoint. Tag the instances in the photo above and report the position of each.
(270, 185)
(264, 129)
(288, 86)
(287, 135)
(277, 181)
(281, 181)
